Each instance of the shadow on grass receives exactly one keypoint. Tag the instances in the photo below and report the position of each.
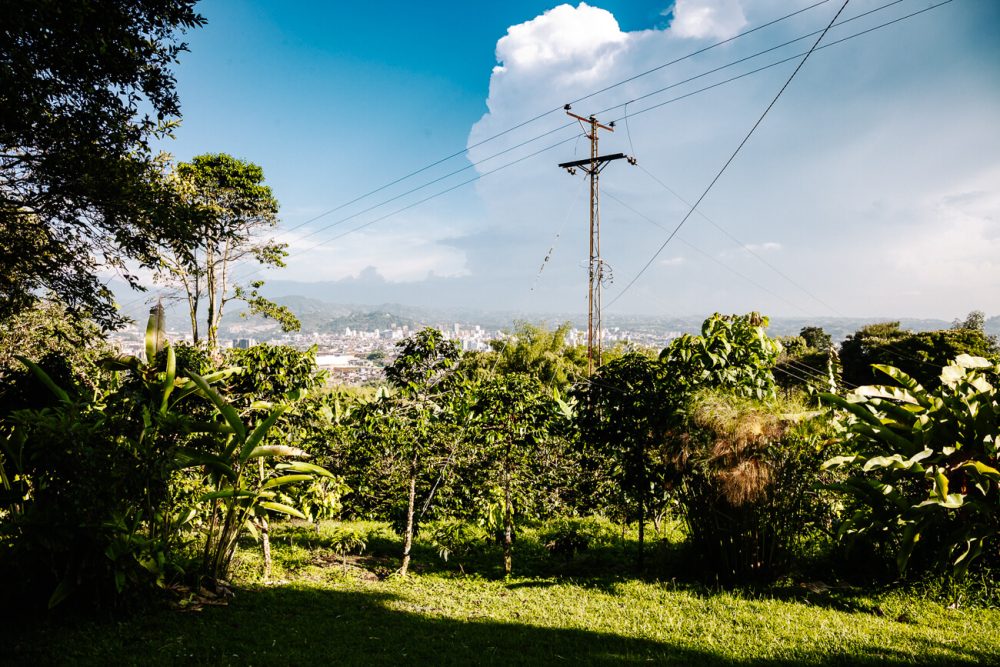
(303, 626)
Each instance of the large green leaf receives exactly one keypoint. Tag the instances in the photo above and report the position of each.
(968, 361)
(227, 411)
(259, 433)
(286, 479)
(169, 375)
(44, 378)
(228, 493)
(275, 451)
(902, 378)
(284, 509)
(121, 363)
(897, 462)
(856, 409)
(190, 457)
(983, 469)
(302, 466)
(838, 461)
(883, 391)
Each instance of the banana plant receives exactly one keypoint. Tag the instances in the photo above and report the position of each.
(247, 476)
(923, 468)
(133, 415)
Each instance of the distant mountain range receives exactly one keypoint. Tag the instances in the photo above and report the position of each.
(321, 316)
(317, 315)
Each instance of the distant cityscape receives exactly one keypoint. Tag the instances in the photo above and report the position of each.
(354, 342)
(354, 356)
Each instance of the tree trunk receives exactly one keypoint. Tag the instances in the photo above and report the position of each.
(408, 537)
(642, 528)
(508, 527)
(265, 541)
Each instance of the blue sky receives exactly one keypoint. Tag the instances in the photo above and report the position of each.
(871, 189)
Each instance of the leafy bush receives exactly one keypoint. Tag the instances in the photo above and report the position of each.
(918, 354)
(924, 469)
(453, 537)
(566, 537)
(346, 541)
(87, 481)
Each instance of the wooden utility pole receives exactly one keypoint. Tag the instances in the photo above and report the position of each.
(593, 168)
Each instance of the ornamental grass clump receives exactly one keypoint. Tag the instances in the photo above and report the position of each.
(746, 473)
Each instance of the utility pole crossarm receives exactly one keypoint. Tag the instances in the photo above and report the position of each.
(591, 121)
(600, 160)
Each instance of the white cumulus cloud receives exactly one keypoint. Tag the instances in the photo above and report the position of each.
(699, 19)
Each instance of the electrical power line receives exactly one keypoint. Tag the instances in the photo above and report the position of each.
(730, 160)
(543, 114)
(742, 245)
(644, 110)
(585, 97)
(751, 57)
(725, 266)
(258, 269)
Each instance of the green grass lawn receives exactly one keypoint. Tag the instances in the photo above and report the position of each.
(320, 612)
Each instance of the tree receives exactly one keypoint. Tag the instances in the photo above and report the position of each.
(918, 354)
(513, 415)
(46, 331)
(975, 321)
(542, 352)
(816, 338)
(230, 207)
(623, 417)
(420, 374)
(732, 352)
(84, 86)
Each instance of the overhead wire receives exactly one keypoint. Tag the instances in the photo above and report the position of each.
(763, 260)
(623, 118)
(746, 58)
(543, 114)
(725, 266)
(549, 132)
(818, 373)
(740, 243)
(729, 161)
(783, 60)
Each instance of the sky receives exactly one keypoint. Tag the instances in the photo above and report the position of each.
(870, 189)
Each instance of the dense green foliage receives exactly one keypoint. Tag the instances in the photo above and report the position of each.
(103, 490)
(733, 352)
(228, 207)
(920, 355)
(85, 85)
(624, 420)
(543, 353)
(924, 464)
(468, 454)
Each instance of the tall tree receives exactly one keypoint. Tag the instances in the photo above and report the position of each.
(542, 352)
(231, 209)
(513, 416)
(420, 373)
(623, 417)
(84, 86)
